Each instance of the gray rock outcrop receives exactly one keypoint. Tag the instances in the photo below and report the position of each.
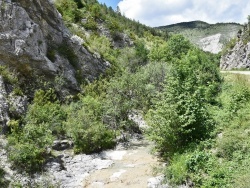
(237, 58)
(35, 42)
(211, 43)
(36, 45)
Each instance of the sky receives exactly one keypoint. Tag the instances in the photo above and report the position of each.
(112, 3)
(164, 12)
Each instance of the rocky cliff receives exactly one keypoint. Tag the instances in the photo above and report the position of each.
(36, 45)
(239, 56)
(34, 40)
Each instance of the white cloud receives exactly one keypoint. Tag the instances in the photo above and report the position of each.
(164, 12)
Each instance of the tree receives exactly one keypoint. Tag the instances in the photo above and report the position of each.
(179, 116)
(118, 10)
(248, 23)
(69, 10)
(178, 46)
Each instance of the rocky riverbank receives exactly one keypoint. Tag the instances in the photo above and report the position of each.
(128, 165)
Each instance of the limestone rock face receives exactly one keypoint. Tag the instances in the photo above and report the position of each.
(211, 43)
(238, 57)
(36, 45)
(34, 39)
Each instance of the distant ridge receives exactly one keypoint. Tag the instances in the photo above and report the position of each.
(186, 25)
(209, 37)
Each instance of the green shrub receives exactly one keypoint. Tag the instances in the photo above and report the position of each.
(90, 24)
(4, 183)
(8, 76)
(69, 10)
(177, 171)
(46, 109)
(27, 149)
(180, 116)
(84, 125)
(102, 45)
(197, 161)
(238, 98)
(229, 46)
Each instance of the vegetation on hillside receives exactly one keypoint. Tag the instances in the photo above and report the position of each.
(197, 30)
(221, 160)
(197, 121)
(98, 115)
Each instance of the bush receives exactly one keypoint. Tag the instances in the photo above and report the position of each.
(69, 10)
(229, 46)
(4, 183)
(177, 171)
(180, 116)
(85, 127)
(8, 76)
(90, 24)
(46, 109)
(27, 149)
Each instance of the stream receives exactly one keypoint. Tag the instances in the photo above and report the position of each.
(132, 167)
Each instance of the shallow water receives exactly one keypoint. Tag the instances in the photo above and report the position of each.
(132, 167)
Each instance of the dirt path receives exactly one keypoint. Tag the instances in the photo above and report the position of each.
(237, 72)
(132, 168)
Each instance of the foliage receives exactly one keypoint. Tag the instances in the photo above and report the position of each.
(85, 127)
(229, 46)
(4, 183)
(174, 48)
(69, 10)
(158, 52)
(28, 144)
(177, 172)
(141, 52)
(90, 24)
(223, 160)
(8, 76)
(180, 116)
(178, 46)
(100, 44)
(27, 148)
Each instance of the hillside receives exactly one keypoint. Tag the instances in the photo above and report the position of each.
(85, 92)
(209, 37)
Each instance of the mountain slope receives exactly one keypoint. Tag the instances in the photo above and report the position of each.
(209, 37)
